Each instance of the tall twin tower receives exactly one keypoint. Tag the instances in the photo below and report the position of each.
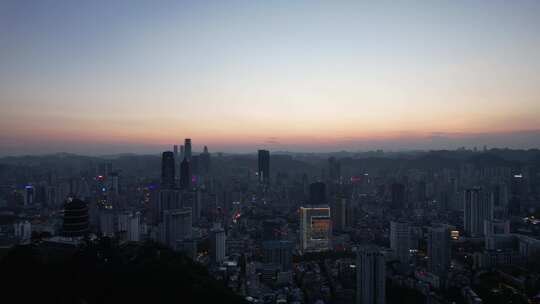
(190, 165)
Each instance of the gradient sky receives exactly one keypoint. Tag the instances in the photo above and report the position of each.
(99, 77)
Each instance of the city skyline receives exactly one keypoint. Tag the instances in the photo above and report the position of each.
(100, 78)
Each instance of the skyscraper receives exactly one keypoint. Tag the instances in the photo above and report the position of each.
(175, 151)
(217, 244)
(339, 213)
(75, 218)
(168, 199)
(182, 153)
(477, 209)
(439, 250)
(370, 276)
(399, 240)
(167, 170)
(28, 195)
(187, 148)
(185, 174)
(264, 166)
(315, 228)
(176, 227)
(317, 193)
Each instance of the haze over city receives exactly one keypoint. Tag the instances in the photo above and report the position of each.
(130, 76)
(270, 152)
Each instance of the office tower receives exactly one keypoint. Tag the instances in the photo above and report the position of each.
(204, 168)
(315, 228)
(168, 199)
(339, 214)
(477, 209)
(317, 193)
(217, 244)
(193, 199)
(28, 195)
(370, 276)
(182, 152)
(187, 148)
(399, 240)
(167, 170)
(439, 250)
(398, 195)
(176, 227)
(334, 170)
(264, 166)
(75, 218)
(185, 174)
(278, 252)
(134, 227)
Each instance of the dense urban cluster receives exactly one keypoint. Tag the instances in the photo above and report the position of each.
(459, 226)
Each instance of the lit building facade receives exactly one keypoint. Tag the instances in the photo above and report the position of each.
(315, 228)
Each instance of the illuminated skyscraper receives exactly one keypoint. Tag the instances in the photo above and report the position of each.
(264, 166)
(167, 170)
(315, 228)
(370, 276)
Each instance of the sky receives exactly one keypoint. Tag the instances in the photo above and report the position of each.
(99, 77)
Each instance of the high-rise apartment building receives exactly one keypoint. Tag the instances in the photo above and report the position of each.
(477, 209)
(370, 276)
(399, 240)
